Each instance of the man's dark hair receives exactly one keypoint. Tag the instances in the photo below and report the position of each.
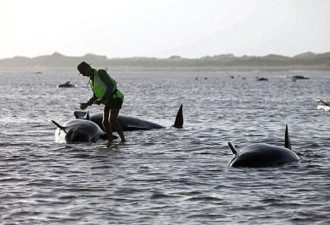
(83, 66)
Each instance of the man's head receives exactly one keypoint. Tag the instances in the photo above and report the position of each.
(85, 69)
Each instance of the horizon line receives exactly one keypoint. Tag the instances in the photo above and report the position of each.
(175, 55)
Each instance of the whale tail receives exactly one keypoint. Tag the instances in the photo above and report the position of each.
(179, 119)
(233, 148)
(287, 142)
(59, 126)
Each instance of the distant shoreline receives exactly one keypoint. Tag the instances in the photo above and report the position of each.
(131, 69)
(227, 62)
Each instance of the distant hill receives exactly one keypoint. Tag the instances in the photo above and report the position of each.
(304, 61)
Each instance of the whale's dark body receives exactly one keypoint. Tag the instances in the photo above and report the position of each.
(263, 155)
(130, 123)
(78, 130)
(67, 85)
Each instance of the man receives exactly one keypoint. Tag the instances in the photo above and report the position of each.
(106, 92)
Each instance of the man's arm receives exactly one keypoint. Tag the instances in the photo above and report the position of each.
(91, 100)
(88, 103)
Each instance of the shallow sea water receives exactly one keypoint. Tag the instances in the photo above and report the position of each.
(166, 176)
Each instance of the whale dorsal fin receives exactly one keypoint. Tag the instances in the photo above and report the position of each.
(179, 119)
(79, 114)
(287, 142)
(322, 102)
(232, 147)
(59, 126)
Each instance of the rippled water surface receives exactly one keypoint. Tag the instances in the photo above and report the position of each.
(166, 176)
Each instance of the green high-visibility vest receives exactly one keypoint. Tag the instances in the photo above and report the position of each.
(100, 87)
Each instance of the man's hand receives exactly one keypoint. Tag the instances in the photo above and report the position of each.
(83, 106)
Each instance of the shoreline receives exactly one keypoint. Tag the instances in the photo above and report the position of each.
(39, 69)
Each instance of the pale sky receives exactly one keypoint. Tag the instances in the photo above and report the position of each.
(162, 28)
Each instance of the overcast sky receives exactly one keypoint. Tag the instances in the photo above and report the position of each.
(162, 28)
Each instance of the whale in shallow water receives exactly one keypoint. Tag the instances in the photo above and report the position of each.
(66, 85)
(130, 123)
(77, 130)
(263, 155)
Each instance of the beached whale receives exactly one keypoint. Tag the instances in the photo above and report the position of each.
(78, 130)
(263, 155)
(130, 123)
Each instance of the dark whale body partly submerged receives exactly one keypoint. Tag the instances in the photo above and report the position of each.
(263, 155)
(77, 130)
(130, 123)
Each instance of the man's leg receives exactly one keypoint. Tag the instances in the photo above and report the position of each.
(113, 121)
(106, 124)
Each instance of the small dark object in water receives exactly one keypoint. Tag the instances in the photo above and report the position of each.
(67, 84)
(325, 106)
(298, 77)
(262, 79)
(320, 101)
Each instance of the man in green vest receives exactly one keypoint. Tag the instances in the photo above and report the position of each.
(106, 92)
